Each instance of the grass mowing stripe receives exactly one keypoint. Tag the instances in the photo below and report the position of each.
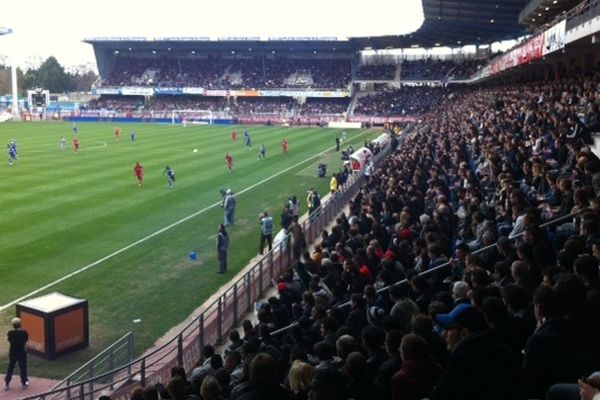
(158, 232)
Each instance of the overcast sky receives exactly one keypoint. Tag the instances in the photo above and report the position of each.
(43, 28)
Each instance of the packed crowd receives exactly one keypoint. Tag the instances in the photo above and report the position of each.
(428, 69)
(169, 103)
(214, 72)
(442, 281)
(406, 100)
(116, 103)
(376, 72)
(254, 105)
(466, 69)
(324, 106)
(241, 105)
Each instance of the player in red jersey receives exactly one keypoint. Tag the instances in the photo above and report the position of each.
(76, 144)
(138, 171)
(229, 160)
(234, 135)
(117, 133)
(285, 145)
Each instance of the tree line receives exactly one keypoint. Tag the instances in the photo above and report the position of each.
(49, 75)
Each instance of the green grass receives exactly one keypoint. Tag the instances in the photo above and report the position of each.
(61, 211)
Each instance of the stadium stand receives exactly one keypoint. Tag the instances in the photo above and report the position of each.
(378, 72)
(468, 259)
(407, 100)
(465, 267)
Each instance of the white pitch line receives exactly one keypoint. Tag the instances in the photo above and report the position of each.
(158, 232)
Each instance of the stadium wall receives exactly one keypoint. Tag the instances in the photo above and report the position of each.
(140, 119)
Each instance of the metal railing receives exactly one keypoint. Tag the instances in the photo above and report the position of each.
(117, 354)
(215, 320)
(446, 264)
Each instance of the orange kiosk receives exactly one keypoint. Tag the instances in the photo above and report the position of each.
(57, 324)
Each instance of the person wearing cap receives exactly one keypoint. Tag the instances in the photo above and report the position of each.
(481, 365)
(17, 337)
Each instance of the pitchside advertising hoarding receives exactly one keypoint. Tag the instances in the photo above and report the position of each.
(174, 91)
(534, 48)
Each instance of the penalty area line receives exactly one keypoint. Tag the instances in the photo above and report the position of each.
(158, 232)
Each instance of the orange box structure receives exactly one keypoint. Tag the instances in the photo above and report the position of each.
(57, 324)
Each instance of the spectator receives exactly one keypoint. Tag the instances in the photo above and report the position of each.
(419, 372)
(480, 363)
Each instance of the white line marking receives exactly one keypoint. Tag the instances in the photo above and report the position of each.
(158, 232)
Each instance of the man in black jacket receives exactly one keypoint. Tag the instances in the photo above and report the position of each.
(480, 365)
(17, 338)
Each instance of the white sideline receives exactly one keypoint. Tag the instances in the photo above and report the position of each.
(158, 232)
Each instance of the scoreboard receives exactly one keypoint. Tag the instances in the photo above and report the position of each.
(38, 98)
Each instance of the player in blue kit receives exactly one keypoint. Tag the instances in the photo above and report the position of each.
(12, 156)
(247, 138)
(170, 176)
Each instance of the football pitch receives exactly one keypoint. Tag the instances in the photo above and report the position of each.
(80, 219)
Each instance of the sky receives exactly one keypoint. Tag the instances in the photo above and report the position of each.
(43, 28)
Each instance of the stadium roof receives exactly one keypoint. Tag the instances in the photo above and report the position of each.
(449, 23)
(457, 23)
(241, 45)
(540, 12)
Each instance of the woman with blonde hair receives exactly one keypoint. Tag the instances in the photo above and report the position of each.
(301, 376)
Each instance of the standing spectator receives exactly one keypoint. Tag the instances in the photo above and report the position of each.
(229, 205)
(222, 247)
(333, 184)
(266, 231)
(17, 353)
(312, 201)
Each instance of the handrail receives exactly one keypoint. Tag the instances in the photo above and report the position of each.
(128, 336)
(444, 265)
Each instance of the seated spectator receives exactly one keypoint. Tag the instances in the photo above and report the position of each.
(301, 376)
(480, 363)
(419, 372)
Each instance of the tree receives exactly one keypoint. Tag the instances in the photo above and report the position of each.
(82, 81)
(50, 75)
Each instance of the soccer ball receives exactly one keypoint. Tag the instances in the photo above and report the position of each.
(195, 150)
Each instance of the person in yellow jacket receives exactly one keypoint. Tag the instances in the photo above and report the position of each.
(333, 184)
